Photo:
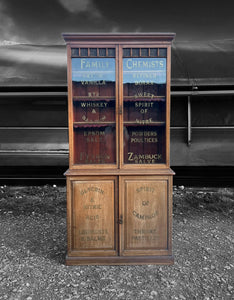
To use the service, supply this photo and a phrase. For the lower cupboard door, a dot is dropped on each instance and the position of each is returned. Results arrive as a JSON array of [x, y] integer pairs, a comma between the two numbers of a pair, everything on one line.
[[93, 215], [145, 209]]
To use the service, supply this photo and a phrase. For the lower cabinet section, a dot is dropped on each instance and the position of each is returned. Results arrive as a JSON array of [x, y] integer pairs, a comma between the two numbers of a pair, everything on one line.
[[119, 219]]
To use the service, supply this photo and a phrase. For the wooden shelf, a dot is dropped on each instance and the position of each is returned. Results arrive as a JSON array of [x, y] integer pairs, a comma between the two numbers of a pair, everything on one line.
[[144, 122], [92, 124], [142, 98], [96, 98]]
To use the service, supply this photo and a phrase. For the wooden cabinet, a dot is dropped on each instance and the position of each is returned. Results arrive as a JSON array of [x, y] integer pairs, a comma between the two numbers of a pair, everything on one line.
[[119, 182]]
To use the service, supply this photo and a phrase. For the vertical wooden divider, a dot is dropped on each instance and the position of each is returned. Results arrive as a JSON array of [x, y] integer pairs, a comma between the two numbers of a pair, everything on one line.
[[120, 108]]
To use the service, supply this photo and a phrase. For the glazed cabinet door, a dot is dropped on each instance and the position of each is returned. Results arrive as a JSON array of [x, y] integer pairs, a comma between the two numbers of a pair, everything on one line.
[[91, 216], [93, 102], [146, 215], [145, 132]]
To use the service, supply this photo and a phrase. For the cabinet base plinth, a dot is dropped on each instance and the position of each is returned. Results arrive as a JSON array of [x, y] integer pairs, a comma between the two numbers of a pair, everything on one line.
[[120, 260]]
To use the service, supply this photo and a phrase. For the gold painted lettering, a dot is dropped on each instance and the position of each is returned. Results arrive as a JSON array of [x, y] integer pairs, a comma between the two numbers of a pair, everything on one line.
[[145, 189], [92, 189], [130, 154], [144, 217], [91, 104], [93, 231], [136, 140], [92, 218], [94, 158], [144, 158], [86, 82], [145, 231], [141, 104], [94, 206], [143, 122], [98, 64], [144, 133], [145, 64]]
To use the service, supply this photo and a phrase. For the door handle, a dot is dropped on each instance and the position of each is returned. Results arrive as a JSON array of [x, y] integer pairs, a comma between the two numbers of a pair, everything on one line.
[[120, 221]]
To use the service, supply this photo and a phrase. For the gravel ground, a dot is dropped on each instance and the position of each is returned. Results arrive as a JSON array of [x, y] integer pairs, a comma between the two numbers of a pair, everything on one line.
[[33, 248]]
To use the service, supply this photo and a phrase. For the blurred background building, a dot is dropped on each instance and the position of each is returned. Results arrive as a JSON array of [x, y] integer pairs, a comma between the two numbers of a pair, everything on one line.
[[33, 83]]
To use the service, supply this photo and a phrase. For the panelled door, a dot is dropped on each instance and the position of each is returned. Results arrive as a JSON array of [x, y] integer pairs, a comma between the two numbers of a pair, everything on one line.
[[145, 213], [92, 214]]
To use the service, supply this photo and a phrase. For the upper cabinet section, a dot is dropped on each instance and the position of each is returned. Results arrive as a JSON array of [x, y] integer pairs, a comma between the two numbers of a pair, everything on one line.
[[119, 100]]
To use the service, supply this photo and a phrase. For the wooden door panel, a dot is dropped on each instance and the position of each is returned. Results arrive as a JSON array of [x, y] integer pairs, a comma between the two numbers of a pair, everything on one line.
[[93, 217], [145, 216]]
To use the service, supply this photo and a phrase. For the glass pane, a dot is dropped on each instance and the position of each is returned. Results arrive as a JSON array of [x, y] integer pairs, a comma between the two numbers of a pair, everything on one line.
[[83, 51], [135, 52], [102, 51], [163, 52], [111, 52], [89, 110], [144, 52], [144, 144], [94, 144], [154, 52], [93, 87], [126, 52], [144, 82], [75, 52], [93, 77], [93, 51]]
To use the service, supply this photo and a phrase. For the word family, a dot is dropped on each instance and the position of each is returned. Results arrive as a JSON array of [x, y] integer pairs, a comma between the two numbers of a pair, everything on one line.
[[93, 64]]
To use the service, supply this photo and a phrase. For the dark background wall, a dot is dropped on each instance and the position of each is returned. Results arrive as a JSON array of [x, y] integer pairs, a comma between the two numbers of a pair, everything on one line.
[[33, 100], [41, 22]]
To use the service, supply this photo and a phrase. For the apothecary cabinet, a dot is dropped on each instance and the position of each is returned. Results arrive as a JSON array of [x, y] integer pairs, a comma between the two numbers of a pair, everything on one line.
[[119, 182]]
